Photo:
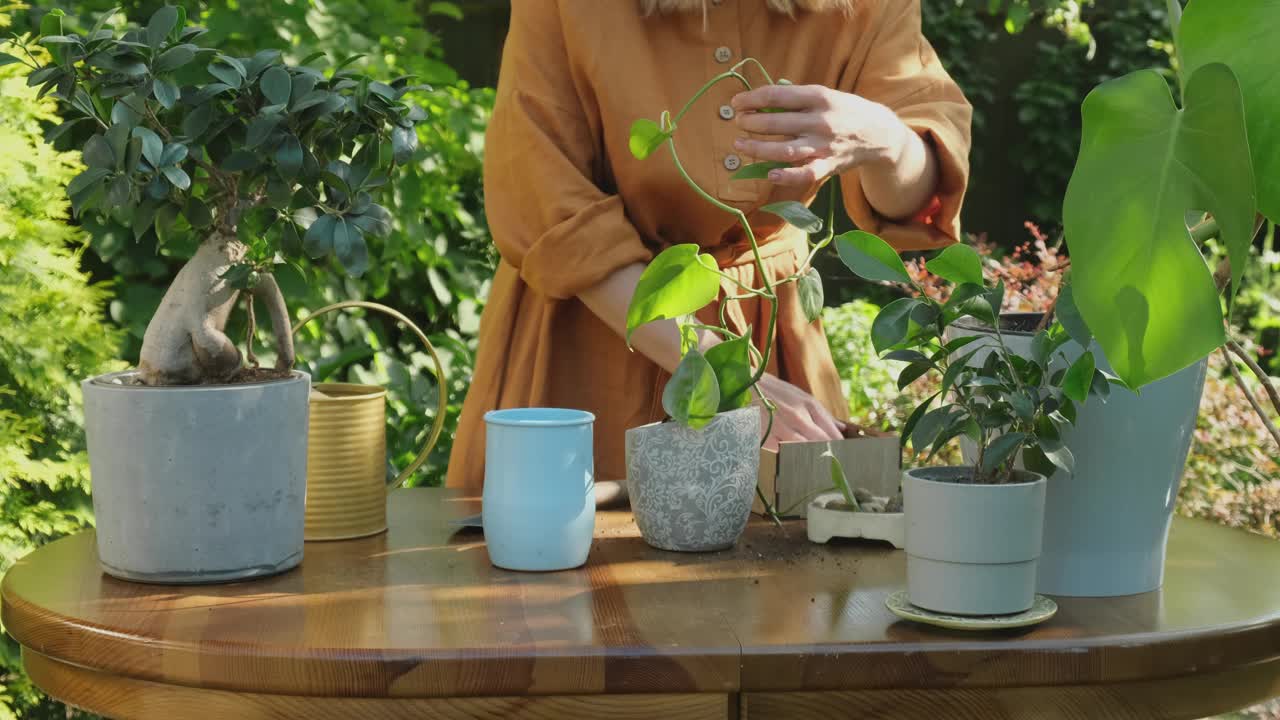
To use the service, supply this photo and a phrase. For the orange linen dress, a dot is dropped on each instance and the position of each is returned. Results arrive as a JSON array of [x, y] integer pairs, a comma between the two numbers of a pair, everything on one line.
[[568, 204]]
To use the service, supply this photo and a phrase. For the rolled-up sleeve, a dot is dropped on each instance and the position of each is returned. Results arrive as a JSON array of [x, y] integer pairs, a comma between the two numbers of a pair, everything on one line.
[[902, 71], [548, 216]]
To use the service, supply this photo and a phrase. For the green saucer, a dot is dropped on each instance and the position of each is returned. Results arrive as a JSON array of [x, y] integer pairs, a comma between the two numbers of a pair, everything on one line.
[[1042, 609]]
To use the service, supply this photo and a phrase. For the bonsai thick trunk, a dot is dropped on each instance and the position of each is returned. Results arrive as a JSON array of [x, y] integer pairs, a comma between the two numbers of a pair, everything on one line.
[[186, 342]]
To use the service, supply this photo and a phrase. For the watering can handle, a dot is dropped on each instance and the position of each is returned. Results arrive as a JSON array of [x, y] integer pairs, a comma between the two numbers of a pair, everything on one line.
[[438, 425]]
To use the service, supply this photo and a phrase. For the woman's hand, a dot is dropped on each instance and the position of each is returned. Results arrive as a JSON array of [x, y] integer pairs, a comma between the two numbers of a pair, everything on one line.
[[799, 417], [827, 132]]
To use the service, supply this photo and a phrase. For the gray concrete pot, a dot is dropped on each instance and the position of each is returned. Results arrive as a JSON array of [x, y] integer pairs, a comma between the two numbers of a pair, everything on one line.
[[972, 549], [691, 490], [197, 484]]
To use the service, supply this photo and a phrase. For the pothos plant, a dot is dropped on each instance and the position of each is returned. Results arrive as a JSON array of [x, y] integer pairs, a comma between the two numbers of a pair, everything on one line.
[[681, 280], [263, 159], [1009, 406]]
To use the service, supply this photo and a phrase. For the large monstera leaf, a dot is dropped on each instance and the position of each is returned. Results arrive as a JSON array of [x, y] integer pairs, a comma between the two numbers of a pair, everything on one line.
[[1242, 34], [1139, 280]]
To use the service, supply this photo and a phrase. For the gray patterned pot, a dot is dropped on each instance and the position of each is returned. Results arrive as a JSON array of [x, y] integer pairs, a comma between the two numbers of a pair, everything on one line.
[[691, 490]]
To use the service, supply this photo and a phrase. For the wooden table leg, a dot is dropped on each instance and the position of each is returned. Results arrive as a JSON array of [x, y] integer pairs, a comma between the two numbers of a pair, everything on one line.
[[122, 697]]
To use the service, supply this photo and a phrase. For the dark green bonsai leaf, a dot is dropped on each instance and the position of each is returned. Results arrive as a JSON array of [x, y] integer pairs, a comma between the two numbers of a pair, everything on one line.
[[318, 240], [871, 258], [958, 264], [349, 247], [1138, 279], [692, 395], [679, 281], [731, 362], [796, 214], [162, 22], [275, 85], [809, 287]]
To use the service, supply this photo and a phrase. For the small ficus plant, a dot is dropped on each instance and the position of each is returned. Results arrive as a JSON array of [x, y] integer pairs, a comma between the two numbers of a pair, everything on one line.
[[262, 159], [1004, 403]]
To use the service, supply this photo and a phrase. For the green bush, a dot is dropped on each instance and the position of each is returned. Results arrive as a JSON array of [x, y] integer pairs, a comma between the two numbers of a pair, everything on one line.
[[52, 334]]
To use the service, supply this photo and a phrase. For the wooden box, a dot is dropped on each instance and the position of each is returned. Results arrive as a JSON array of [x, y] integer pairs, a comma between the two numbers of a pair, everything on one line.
[[796, 472]]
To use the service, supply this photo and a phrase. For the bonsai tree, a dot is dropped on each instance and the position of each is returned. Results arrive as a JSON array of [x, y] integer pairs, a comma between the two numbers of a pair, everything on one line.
[[1148, 160], [262, 159]]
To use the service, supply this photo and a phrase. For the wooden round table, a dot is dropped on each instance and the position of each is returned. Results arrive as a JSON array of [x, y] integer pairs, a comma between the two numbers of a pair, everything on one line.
[[417, 623]]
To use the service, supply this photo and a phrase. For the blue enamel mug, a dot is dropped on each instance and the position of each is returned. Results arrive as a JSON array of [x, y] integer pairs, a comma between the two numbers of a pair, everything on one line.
[[539, 510]]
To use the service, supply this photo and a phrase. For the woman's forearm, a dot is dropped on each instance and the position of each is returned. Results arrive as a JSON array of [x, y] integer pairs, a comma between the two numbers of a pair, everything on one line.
[[659, 341], [901, 185]]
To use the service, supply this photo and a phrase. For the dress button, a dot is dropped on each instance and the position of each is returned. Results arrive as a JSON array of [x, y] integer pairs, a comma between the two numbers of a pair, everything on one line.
[[732, 162], [723, 54], [726, 112]]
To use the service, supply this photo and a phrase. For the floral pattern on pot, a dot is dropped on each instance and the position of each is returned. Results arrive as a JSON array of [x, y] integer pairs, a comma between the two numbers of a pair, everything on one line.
[[691, 490]]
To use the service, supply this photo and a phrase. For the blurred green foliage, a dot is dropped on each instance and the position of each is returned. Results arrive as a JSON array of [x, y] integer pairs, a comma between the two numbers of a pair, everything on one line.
[[1077, 45], [52, 334]]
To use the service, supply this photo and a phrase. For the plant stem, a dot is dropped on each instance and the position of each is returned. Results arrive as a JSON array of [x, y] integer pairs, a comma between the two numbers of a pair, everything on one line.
[[250, 331], [1253, 401], [1272, 394], [758, 64], [703, 91]]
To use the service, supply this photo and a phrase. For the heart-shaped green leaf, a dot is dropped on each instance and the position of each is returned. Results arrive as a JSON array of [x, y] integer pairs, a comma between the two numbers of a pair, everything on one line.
[[958, 264], [1138, 279], [692, 395], [731, 362], [646, 136], [809, 287], [1238, 34], [871, 258], [796, 214], [677, 282]]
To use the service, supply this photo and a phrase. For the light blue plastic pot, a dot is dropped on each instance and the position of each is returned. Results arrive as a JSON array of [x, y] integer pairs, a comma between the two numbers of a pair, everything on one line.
[[539, 508]]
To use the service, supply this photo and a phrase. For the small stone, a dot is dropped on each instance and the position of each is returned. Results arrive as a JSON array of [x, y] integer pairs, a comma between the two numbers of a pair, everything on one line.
[[894, 505], [873, 506], [862, 495]]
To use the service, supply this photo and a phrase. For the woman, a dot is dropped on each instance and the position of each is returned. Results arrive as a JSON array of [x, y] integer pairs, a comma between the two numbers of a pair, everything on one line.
[[576, 217]]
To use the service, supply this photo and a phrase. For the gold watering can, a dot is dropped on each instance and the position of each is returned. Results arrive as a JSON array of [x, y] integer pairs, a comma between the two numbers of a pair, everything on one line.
[[347, 447]]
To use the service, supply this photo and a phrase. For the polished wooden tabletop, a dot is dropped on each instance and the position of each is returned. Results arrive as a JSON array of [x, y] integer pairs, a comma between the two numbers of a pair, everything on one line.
[[419, 612]]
